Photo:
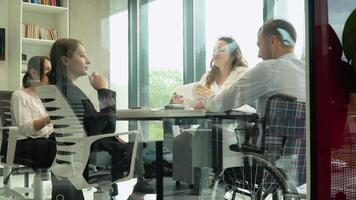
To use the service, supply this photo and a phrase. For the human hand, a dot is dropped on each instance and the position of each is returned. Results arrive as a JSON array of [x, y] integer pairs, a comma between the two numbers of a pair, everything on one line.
[[177, 99], [45, 80], [98, 81], [201, 92], [199, 106]]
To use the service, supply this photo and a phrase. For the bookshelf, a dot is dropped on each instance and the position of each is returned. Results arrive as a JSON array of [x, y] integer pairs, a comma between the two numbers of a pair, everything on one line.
[[34, 28]]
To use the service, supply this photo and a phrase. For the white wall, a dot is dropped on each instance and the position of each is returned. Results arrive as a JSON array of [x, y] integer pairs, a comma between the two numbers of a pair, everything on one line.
[[89, 23], [4, 24]]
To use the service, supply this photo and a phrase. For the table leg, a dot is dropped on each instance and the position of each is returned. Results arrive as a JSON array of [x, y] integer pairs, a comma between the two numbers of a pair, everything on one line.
[[217, 145], [159, 170]]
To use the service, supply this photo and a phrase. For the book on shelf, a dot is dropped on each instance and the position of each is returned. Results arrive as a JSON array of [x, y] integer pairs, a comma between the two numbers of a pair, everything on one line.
[[45, 2], [37, 32]]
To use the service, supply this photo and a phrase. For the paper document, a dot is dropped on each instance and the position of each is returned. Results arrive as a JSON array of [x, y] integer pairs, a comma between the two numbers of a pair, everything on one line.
[[187, 90], [246, 108]]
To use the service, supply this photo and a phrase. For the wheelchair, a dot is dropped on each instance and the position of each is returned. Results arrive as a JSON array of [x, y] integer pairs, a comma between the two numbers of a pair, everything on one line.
[[273, 169]]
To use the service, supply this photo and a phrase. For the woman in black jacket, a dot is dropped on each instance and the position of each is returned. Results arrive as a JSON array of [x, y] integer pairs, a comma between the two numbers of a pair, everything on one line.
[[69, 62]]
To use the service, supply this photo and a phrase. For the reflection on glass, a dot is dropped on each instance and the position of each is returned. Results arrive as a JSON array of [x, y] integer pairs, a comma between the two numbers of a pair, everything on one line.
[[343, 139]]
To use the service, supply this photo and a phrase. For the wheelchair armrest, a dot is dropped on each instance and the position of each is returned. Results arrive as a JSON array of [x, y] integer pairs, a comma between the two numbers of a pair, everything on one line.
[[245, 148]]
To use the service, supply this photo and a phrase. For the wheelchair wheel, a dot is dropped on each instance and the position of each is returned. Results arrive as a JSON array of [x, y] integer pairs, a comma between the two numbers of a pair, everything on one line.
[[257, 179]]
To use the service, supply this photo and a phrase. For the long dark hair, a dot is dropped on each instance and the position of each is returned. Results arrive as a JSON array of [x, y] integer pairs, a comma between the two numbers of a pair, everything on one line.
[[36, 63], [62, 47], [237, 60]]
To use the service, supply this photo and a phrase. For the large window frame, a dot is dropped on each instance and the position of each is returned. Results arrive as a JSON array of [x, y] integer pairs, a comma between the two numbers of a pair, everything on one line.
[[194, 47], [193, 36]]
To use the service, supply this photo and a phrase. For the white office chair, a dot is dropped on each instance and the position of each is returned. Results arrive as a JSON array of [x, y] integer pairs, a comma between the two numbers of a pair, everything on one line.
[[73, 145], [9, 135]]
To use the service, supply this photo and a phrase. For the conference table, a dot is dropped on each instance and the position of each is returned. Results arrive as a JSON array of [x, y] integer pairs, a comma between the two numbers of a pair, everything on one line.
[[185, 117]]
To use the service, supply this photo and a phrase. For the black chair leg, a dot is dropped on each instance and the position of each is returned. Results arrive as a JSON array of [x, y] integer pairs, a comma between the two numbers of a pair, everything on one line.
[[27, 181]]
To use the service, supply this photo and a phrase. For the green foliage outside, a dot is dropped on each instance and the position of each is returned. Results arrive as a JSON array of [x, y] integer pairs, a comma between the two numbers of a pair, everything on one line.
[[162, 84]]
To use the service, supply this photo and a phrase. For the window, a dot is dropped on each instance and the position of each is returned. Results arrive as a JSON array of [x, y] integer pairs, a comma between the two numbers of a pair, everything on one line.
[[119, 57], [294, 12], [165, 50], [238, 19], [161, 54]]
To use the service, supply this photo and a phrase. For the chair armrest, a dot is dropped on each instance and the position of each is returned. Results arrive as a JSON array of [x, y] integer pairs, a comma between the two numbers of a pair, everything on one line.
[[1, 133], [11, 145], [9, 128], [94, 138], [82, 146]]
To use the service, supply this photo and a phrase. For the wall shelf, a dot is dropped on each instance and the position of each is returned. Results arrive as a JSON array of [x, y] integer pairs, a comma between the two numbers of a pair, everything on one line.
[[40, 8], [40, 18], [40, 42]]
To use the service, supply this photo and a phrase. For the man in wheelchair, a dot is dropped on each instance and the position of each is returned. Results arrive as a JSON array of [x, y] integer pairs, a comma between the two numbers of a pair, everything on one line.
[[280, 72]]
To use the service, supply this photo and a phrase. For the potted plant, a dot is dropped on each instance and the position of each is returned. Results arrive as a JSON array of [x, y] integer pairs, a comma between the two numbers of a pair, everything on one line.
[[349, 39]]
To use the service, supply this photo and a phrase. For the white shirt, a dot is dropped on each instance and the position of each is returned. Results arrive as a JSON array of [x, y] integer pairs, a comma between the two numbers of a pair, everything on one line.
[[284, 75], [234, 75], [26, 108]]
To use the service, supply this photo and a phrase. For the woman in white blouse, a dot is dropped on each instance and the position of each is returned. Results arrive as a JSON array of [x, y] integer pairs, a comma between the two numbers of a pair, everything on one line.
[[227, 66], [27, 110], [30, 116]]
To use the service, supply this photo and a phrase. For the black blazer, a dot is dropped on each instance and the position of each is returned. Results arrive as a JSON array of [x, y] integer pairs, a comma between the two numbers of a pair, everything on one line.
[[94, 122]]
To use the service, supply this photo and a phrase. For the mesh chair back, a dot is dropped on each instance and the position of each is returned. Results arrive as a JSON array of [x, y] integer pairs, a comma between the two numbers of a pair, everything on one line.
[[73, 144], [284, 139], [70, 159], [5, 115]]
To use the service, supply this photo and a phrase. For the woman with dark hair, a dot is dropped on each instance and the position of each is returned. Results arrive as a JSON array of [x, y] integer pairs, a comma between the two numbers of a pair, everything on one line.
[[70, 61], [27, 110], [29, 115], [227, 59], [227, 65]]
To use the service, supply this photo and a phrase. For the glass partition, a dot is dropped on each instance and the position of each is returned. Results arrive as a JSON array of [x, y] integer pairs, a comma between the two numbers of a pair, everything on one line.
[[332, 124], [142, 47]]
